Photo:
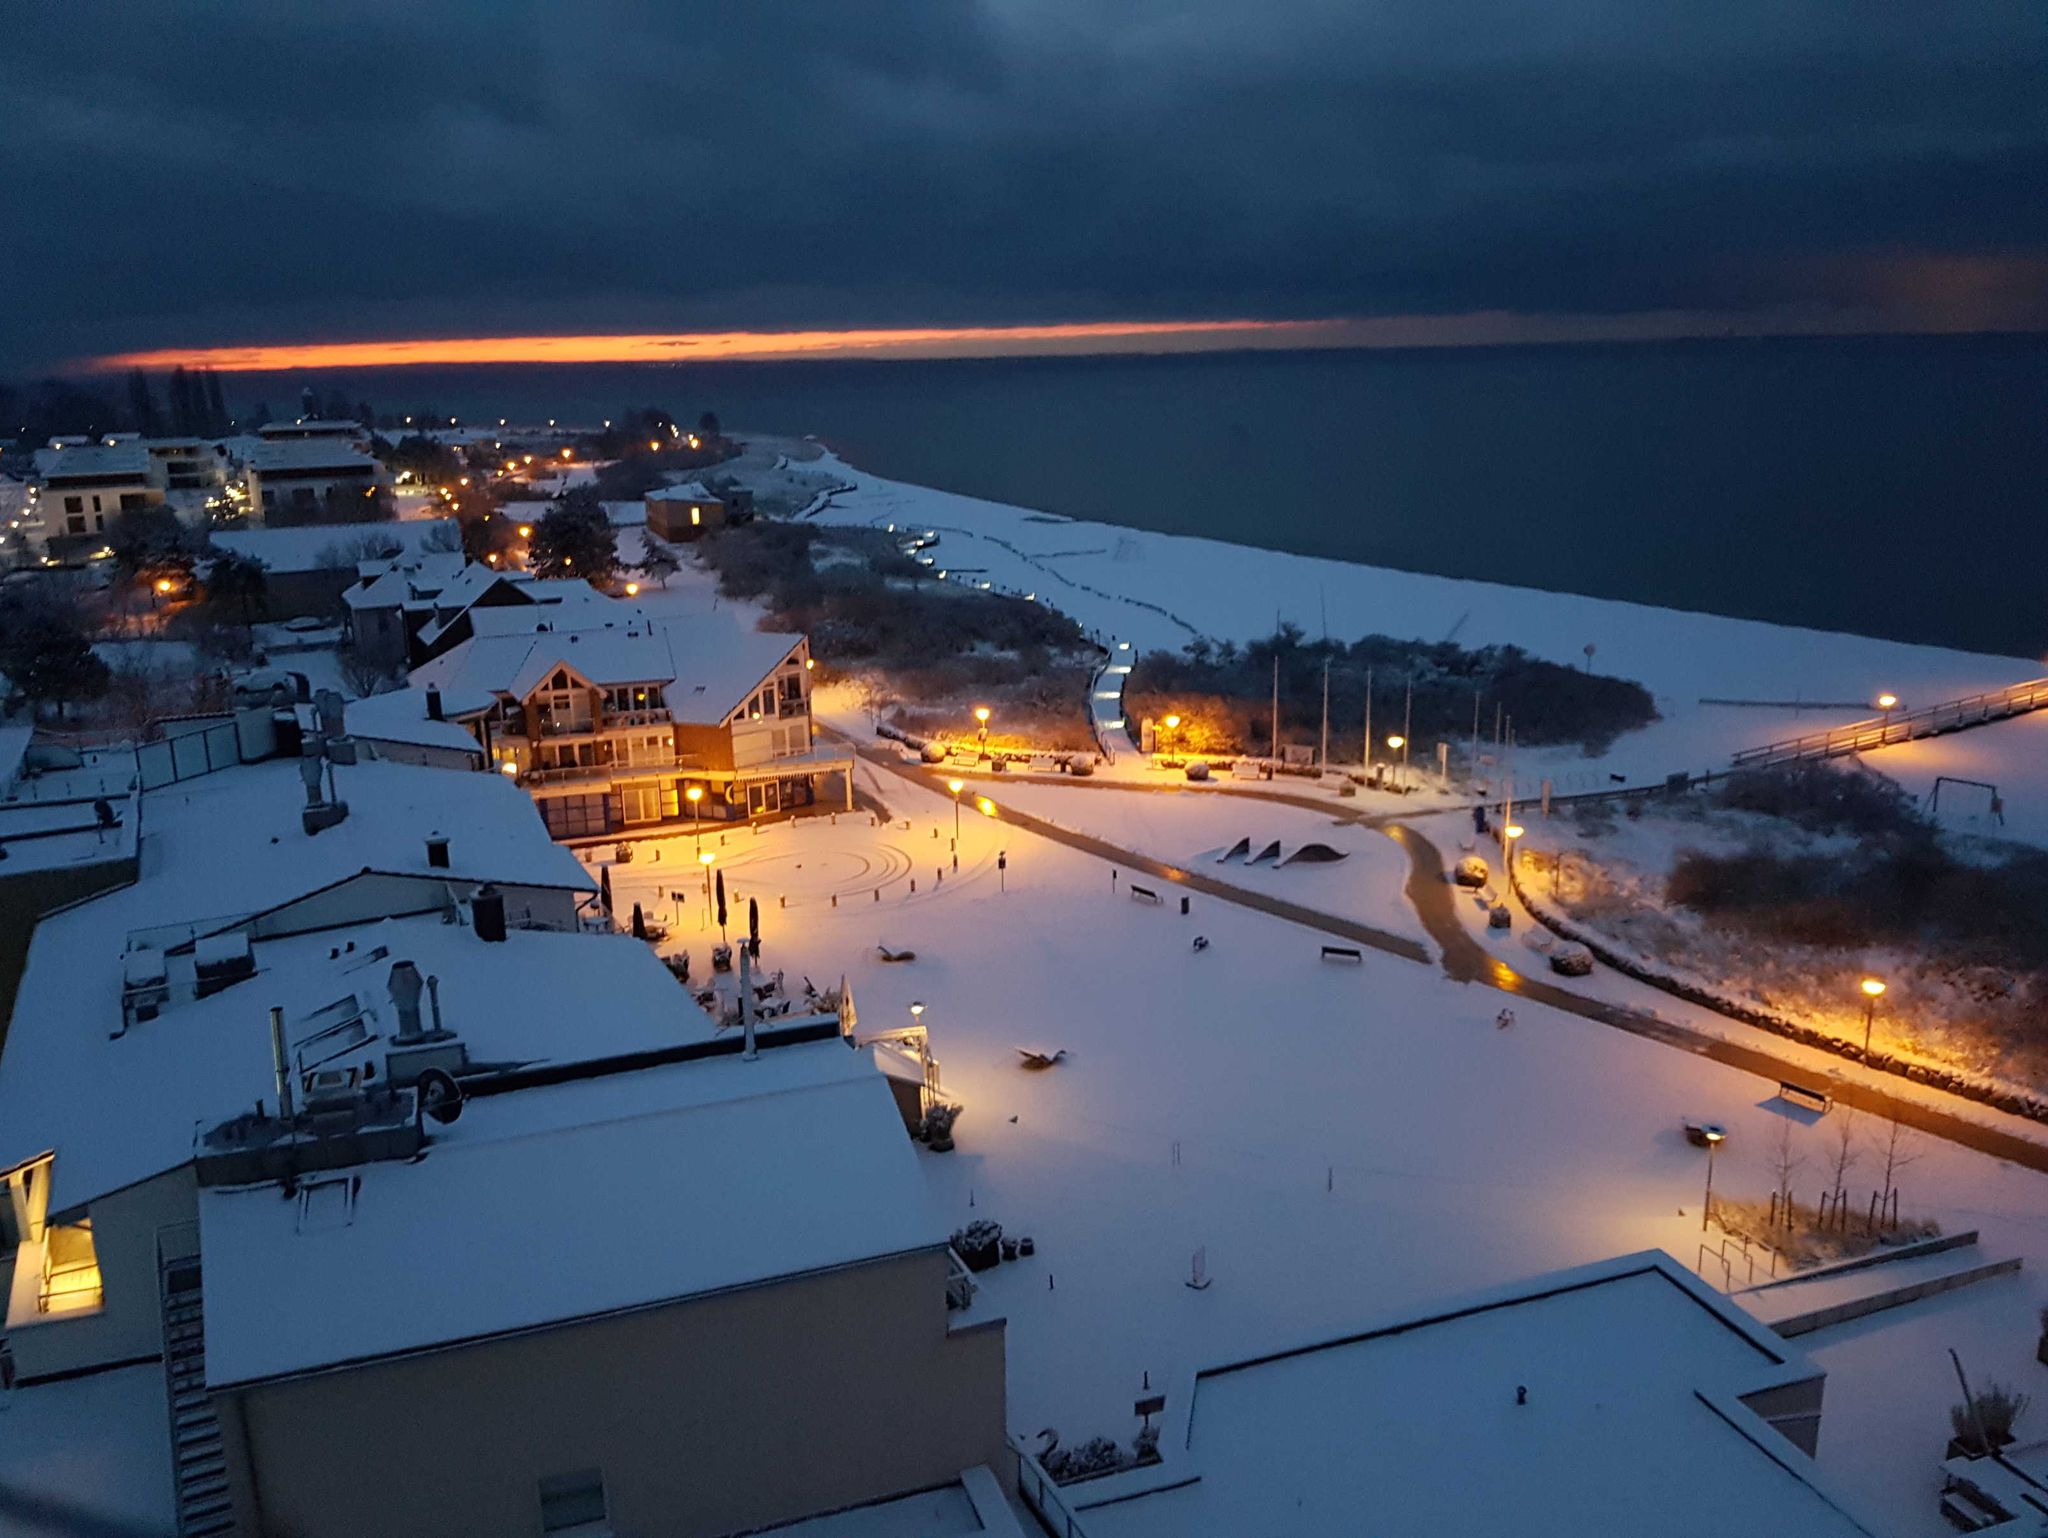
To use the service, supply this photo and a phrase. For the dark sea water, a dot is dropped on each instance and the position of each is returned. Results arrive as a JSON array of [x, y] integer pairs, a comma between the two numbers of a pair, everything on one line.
[[1894, 487]]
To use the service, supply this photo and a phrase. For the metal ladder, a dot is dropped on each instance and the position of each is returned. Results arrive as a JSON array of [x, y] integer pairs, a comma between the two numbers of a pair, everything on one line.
[[198, 1456]]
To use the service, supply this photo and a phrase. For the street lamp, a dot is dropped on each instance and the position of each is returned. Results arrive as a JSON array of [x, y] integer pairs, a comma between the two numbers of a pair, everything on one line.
[[981, 714], [1713, 1136], [1509, 834], [1395, 743], [704, 858], [1172, 724], [1873, 990], [956, 786], [1886, 703]]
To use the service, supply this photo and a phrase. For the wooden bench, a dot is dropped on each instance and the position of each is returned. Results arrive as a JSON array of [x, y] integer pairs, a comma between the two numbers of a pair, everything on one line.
[[1144, 894], [1344, 953], [1812, 1099]]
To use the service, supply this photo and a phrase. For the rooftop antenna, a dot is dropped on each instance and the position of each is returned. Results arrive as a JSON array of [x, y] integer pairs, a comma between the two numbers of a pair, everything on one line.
[[747, 1002], [279, 1062]]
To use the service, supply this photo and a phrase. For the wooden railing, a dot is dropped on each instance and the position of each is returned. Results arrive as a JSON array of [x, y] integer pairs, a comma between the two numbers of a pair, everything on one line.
[[1901, 726]]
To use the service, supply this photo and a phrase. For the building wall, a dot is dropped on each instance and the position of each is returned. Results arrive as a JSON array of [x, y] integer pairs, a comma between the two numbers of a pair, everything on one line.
[[26, 897], [423, 755], [373, 896], [708, 1417], [669, 518], [129, 1322], [1793, 1410], [381, 636]]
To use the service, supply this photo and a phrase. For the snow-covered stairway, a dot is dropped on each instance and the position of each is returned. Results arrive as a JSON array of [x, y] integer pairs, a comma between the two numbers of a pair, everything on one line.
[[1813, 1300], [199, 1463]]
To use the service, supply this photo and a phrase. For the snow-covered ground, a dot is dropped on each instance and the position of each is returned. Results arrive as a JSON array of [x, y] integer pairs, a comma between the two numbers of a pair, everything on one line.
[[1158, 590], [1341, 1141]]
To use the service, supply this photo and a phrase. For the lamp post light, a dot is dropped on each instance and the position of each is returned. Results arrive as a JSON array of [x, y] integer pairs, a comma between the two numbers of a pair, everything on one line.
[[693, 795], [1172, 725], [981, 715], [704, 858], [1395, 743], [1873, 990], [1886, 703], [1509, 834], [1713, 1137], [956, 786]]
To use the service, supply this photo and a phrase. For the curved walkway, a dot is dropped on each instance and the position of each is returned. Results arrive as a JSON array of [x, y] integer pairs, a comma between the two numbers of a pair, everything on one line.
[[1465, 960]]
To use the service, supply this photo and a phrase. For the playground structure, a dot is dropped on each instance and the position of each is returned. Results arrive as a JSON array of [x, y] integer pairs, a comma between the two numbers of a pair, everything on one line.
[[1278, 854]]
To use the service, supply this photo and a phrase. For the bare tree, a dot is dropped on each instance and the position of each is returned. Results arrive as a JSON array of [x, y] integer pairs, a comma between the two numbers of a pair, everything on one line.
[[363, 677], [1899, 1148], [1842, 1151], [1785, 1164]]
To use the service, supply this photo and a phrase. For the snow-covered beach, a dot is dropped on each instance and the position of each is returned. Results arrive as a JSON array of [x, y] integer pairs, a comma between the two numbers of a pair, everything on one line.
[[1720, 684]]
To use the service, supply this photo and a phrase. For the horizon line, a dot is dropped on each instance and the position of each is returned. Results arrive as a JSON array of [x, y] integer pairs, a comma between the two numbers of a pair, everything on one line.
[[1479, 328]]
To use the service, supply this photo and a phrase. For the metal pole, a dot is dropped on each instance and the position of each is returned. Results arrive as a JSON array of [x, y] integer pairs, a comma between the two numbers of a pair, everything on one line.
[[1368, 720], [1707, 1211], [1869, 1014], [1276, 701], [1323, 760]]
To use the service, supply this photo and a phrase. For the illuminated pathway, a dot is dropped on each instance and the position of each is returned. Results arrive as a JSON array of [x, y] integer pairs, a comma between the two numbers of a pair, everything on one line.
[[1465, 960]]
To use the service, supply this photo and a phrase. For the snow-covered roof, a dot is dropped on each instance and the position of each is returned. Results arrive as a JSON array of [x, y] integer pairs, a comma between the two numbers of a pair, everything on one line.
[[91, 461], [118, 1109], [323, 453], [657, 1185], [14, 741], [400, 715], [309, 546], [312, 427], [689, 491], [1635, 1371], [412, 575], [707, 664], [218, 849]]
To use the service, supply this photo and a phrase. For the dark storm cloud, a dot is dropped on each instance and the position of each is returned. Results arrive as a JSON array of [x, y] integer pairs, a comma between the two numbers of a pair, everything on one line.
[[240, 171]]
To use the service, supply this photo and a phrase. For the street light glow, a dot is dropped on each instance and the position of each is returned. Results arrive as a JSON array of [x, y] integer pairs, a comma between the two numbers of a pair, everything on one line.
[[1887, 701], [981, 714], [695, 793], [1512, 830], [1396, 740], [632, 590], [956, 786], [1173, 723], [706, 857], [1874, 987]]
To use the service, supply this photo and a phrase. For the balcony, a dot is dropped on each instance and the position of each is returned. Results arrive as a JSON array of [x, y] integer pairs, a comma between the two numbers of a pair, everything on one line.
[[70, 1282]]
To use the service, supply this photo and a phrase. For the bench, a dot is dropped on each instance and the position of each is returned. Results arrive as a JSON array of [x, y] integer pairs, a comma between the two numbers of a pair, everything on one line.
[[1144, 894], [1344, 953], [1812, 1099]]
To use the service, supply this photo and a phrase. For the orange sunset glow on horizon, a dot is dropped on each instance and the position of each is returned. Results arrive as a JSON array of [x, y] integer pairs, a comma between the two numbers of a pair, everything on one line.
[[721, 346]]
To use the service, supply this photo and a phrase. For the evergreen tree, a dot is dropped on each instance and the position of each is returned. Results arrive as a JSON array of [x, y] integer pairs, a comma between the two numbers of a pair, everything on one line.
[[574, 538]]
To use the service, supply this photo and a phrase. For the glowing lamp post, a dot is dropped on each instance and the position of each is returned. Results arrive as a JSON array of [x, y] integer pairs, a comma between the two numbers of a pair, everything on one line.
[[1873, 990], [704, 858], [981, 715], [1509, 834], [1886, 703], [956, 786], [632, 590], [1713, 1137], [1395, 743], [693, 795], [1172, 725]]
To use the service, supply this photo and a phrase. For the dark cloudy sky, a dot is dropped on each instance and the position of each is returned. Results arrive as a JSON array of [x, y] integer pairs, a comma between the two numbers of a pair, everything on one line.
[[213, 173]]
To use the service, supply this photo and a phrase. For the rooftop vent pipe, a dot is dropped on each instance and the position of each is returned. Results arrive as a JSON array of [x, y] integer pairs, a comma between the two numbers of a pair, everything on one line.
[[281, 1064], [406, 988], [437, 851], [433, 704]]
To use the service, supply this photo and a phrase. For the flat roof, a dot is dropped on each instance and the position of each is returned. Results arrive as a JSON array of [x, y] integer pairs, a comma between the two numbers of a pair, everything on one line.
[[89, 1455], [325, 453], [214, 850], [310, 547], [1633, 1424], [546, 1206], [400, 715], [88, 461]]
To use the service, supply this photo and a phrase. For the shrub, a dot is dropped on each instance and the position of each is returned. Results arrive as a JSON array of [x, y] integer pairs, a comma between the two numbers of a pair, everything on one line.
[[1997, 1411], [1823, 798]]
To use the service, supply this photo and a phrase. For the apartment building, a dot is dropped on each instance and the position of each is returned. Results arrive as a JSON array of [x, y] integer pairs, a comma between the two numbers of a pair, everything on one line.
[[310, 479], [80, 487], [340, 1122], [612, 719]]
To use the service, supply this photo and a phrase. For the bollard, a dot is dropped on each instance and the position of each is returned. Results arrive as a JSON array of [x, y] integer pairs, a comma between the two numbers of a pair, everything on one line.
[[835, 899], [878, 894], [783, 900], [1183, 907], [913, 883], [935, 831], [939, 876]]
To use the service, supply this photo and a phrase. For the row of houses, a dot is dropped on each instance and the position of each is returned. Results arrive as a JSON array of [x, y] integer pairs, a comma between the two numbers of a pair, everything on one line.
[[284, 474], [356, 1177]]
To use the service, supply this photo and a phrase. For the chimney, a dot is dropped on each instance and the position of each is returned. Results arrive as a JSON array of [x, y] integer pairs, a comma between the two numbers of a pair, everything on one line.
[[487, 912], [433, 704], [405, 994], [434, 1003], [437, 851], [282, 1065]]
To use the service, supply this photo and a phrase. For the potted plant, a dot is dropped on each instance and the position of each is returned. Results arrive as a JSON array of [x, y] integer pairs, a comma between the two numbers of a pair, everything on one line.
[[1984, 1422], [936, 1129], [979, 1245]]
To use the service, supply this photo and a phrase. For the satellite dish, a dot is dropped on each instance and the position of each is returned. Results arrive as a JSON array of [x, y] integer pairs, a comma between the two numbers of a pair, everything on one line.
[[440, 1096]]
